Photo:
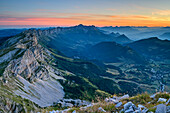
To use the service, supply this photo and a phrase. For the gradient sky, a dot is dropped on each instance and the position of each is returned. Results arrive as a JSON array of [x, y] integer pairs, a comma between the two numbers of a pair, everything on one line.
[[88, 12]]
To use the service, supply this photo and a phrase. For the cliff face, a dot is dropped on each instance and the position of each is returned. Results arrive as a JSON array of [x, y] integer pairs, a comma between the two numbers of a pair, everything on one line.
[[28, 73], [27, 66]]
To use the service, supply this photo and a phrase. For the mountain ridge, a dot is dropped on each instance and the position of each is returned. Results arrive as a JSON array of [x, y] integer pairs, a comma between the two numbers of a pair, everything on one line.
[[152, 48], [110, 50]]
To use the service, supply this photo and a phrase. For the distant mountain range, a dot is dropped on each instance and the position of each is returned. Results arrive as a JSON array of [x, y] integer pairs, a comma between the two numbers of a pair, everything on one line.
[[10, 32], [72, 41], [137, 33], [122, 29], [165, 36]]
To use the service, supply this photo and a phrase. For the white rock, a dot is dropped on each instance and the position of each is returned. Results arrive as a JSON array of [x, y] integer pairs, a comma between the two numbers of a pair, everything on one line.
[[153, 96], [68, 100], [168, 102], [74, 111], [41, 89], [127, 105], [101, 109], [52, 111], [137, 111], [57, 111], [168, 109], [141, 106], [149, 102], [106, 100], [113, 100], [144, 110], [7, 56], [162, 100], [124, 96], [118, 104], [69, 105], [77, 101], [66, 110], [161, 108], [129, 110], [115, 97], [122, 110]]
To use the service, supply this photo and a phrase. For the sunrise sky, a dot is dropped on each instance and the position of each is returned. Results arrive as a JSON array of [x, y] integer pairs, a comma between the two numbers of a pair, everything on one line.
[[88, 12]]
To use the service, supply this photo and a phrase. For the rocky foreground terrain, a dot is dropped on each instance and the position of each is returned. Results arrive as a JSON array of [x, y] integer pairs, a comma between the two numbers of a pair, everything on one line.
[[144, 103]]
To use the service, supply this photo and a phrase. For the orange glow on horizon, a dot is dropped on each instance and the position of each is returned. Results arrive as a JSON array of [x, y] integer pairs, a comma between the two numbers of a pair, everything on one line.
[[135, 20]]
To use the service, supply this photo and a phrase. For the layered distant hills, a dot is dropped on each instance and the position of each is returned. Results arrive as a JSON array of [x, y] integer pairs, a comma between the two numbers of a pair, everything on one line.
[[137, 33], [73, 40], [165, 35]]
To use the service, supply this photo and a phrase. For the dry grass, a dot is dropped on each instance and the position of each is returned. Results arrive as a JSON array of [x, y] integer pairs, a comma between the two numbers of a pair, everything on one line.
[[142, 99]]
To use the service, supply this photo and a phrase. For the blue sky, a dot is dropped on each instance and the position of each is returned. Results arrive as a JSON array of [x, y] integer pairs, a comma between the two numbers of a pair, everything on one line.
[[99, 12]]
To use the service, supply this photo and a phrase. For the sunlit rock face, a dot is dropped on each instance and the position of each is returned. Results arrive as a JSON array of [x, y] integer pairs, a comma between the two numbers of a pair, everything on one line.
[[34, 78], [27, 66]]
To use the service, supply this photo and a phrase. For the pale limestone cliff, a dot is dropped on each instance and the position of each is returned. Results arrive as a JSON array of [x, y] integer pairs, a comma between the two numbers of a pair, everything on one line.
[[34, 78]]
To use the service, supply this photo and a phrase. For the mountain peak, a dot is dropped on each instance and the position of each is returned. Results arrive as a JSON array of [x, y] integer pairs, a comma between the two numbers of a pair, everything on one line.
[[123, 35], [81, 25], [114, 34], [154, 38], [121, 39]]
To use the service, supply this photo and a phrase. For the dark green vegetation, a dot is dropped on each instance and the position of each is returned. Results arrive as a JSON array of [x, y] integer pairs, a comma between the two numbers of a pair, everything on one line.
[[73, 41], [9, 32], [2, 67], [152, 48], [3, 39], [122, 39], [113, 52], [88, 78]]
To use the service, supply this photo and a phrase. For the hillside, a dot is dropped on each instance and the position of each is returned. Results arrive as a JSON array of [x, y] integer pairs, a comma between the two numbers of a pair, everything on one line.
[[122, 39], [10, 32], [152, 48], [113, 52], [72, 41]]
